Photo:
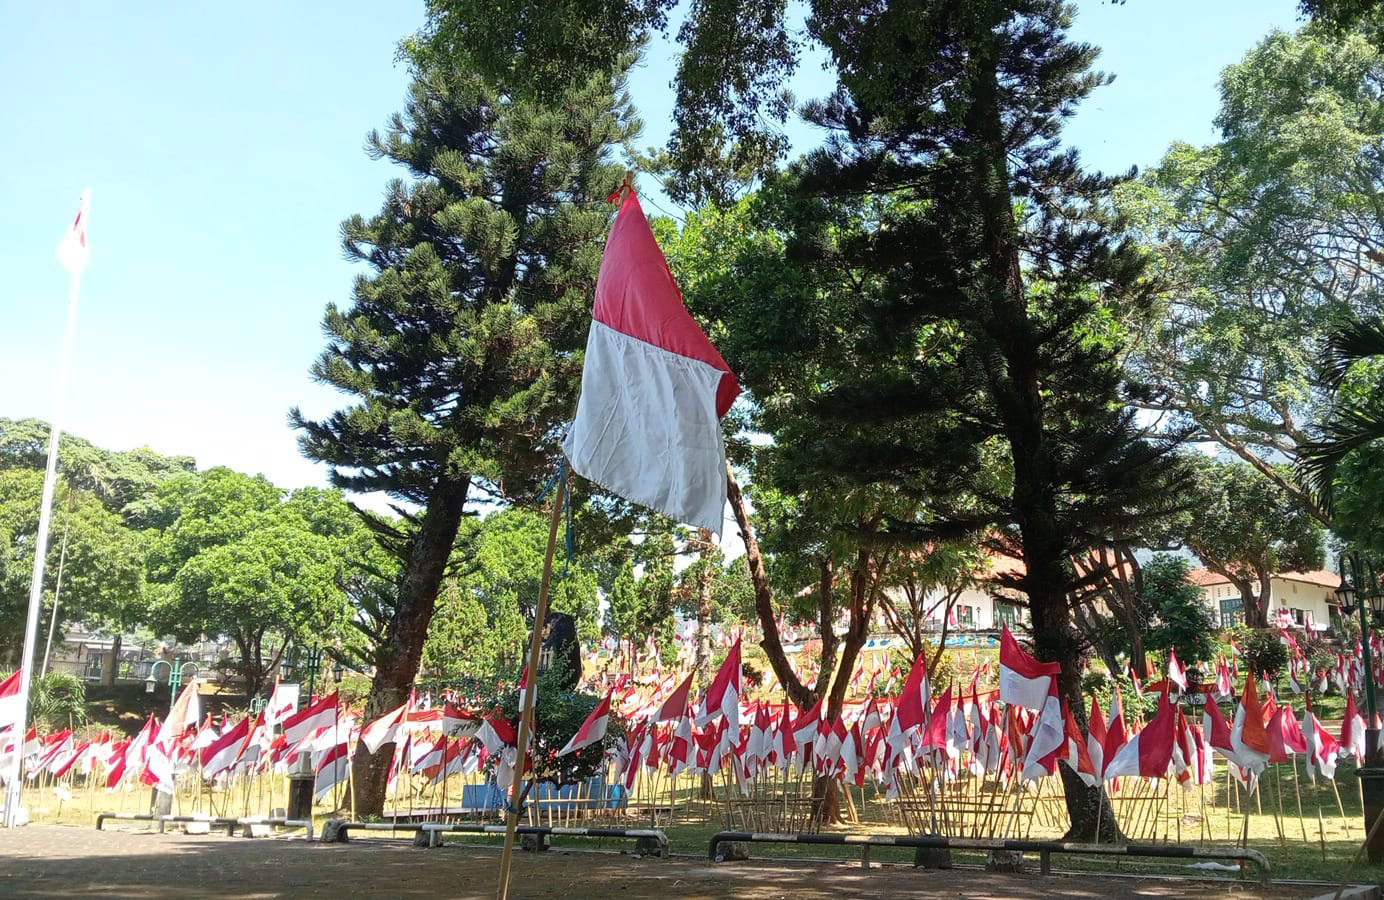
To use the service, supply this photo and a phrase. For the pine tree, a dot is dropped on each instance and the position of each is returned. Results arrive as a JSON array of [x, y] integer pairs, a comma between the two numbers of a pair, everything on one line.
[[954, 109], [461, 349], [973, 299]]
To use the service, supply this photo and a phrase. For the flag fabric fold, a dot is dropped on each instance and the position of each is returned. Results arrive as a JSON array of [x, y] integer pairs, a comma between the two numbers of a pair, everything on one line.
[[654, 388]]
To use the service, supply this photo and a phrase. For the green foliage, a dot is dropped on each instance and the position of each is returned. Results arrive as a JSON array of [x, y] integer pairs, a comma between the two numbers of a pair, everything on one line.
[[1100, 687], [557, 716], [459, 353], [1182, 621], [102, 562], [235, 556], [943, 674], [485, 609], [57, 700], [1265, 243], [1265, 653]]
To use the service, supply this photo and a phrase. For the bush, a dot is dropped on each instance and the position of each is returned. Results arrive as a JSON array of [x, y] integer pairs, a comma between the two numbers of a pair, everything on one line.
[[1265, 654], [942, 676], [57, 700], [1102, 686]]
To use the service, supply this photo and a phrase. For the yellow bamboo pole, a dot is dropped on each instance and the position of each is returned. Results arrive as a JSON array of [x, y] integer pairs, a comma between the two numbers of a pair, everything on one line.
[[526, 714]]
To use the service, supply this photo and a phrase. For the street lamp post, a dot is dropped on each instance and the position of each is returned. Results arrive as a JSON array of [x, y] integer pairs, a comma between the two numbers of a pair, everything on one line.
[[1360, 590], [161, 804], [176, 675], [312, 664]]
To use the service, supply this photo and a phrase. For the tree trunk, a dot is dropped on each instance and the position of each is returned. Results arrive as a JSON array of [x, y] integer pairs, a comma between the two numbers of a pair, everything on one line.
[[1015, 384], [429, 550], [109, 673], [1092, 816], [798, 692]]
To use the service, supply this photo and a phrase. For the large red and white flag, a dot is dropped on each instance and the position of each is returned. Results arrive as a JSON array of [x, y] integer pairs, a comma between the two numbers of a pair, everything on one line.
[[72, 250], [1024, 681], [654, 389], [592, 731]]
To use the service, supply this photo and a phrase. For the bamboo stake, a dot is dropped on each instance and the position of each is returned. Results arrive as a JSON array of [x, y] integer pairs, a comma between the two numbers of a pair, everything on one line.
[[1278, 814], [526, 714], [1340, 806], [1297, 787]]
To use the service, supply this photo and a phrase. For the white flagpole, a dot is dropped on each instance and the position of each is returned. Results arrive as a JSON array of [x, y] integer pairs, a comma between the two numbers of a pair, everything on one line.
[[26, 666]]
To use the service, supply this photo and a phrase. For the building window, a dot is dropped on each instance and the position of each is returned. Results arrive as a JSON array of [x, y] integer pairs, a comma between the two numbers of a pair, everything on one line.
[[1232, 612], [966, 615], [1006, 614]]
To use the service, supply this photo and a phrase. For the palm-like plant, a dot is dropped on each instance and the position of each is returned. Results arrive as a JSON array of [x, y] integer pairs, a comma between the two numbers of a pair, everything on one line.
[[57, 700], [1352, 423]]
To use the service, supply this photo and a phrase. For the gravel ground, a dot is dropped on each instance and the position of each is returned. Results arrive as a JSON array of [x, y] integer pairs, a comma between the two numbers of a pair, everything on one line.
[[65, 861]]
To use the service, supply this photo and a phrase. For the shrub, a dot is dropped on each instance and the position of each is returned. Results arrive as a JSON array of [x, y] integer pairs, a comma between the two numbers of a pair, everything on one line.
[[1265, 654]]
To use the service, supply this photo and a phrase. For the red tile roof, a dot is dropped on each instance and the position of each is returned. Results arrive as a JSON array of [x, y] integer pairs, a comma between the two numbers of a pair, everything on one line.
[[1205, 577]]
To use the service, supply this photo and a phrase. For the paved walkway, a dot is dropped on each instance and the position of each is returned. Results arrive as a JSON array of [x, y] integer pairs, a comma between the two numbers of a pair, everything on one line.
[[59, 861]]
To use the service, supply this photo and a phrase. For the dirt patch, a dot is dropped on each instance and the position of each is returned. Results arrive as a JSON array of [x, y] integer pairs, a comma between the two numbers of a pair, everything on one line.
[[61, 861]]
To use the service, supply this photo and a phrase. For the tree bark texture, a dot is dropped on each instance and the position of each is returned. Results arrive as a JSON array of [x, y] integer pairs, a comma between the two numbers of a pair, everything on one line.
[[429, 551]]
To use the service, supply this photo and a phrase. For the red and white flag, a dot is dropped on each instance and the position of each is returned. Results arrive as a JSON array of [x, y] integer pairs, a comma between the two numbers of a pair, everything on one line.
[[383, 730], [675, 707], [1176, 673], [1047, 736], [1353, 730], [914, 701], [1096, 733], [592, 731], [310, 719], [1248, 736], [283, 702], [220, 754], [1024, 681], [1149, 753], [1322, 748], [654, 389], [723, 697], [332, 769], [10, 701], [72, 250]]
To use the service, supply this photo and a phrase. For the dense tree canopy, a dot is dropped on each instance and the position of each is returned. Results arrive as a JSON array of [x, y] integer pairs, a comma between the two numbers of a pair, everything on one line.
[[1267, 241], [459, 350]]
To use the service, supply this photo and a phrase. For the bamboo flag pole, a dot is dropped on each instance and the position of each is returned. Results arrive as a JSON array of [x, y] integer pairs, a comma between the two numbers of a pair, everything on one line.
[[526, 713]]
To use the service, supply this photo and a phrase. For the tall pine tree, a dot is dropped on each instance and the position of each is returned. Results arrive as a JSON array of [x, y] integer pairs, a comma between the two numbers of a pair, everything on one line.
[[461, 348], [954, 109], [986, 303]]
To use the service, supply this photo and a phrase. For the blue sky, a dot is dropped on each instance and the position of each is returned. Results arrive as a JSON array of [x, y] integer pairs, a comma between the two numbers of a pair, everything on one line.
[[223, 146]]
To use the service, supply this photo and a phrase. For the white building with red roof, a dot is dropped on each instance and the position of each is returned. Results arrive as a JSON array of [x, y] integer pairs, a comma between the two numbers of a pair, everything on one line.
[[1305, 600]]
